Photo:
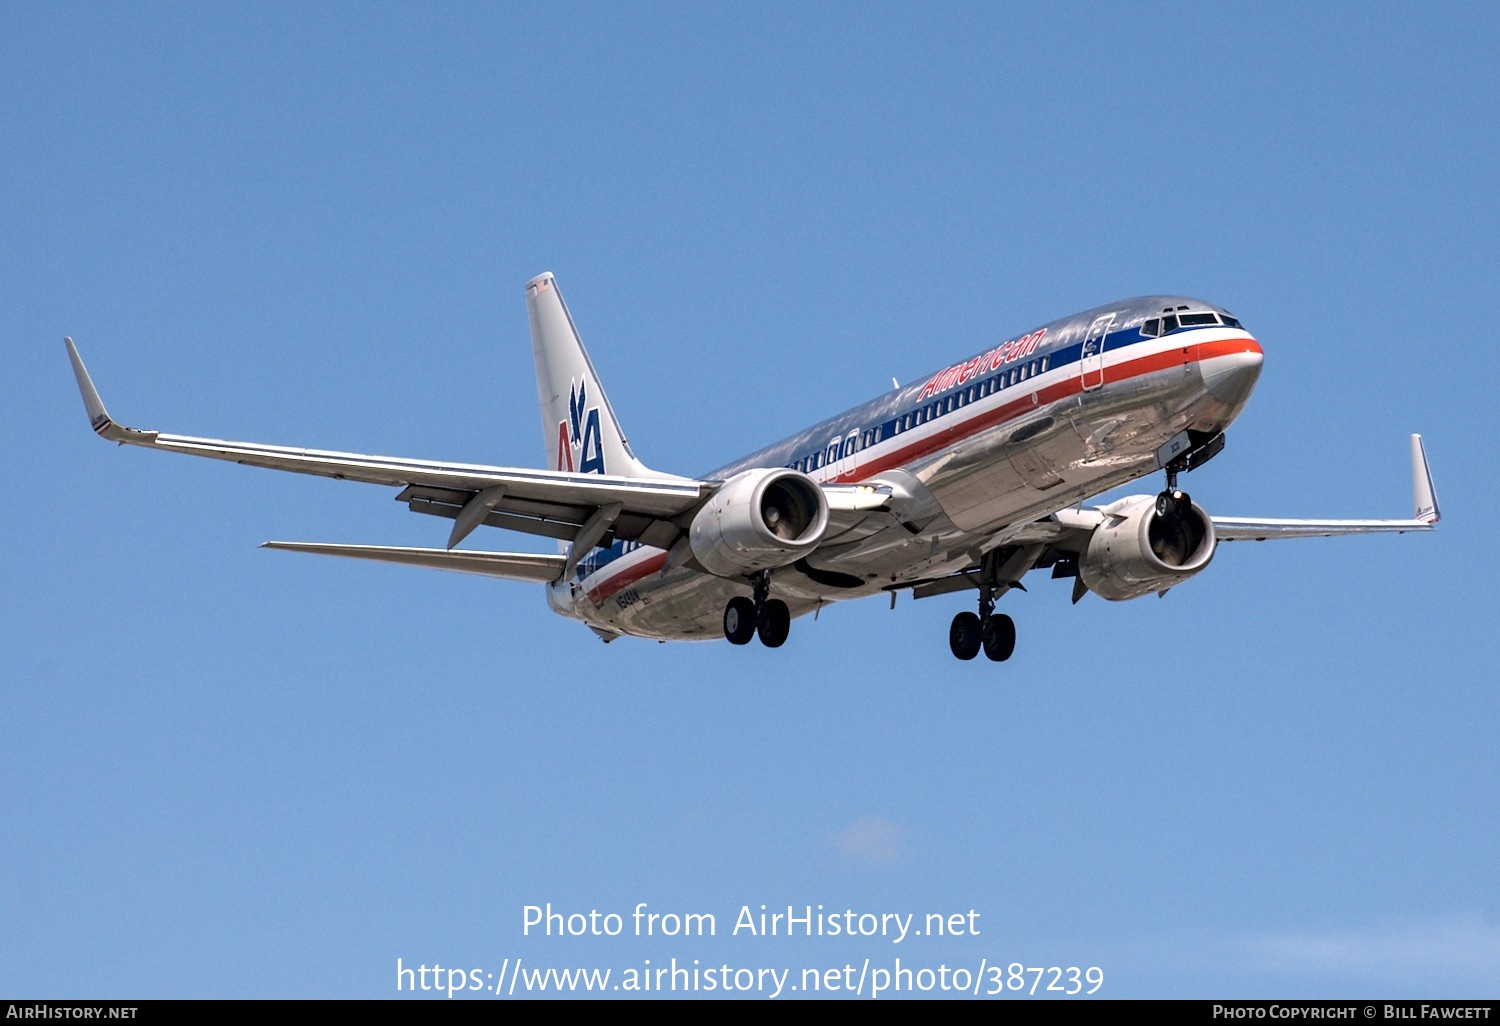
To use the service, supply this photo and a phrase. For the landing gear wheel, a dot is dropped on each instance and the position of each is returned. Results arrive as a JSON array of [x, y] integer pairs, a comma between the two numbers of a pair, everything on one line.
[[774, 623], [1172, 502], [999, 638], [739, 620], [964, 636]]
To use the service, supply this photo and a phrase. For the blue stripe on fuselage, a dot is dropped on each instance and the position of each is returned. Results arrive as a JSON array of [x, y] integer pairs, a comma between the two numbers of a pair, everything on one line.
[[1061, 358]]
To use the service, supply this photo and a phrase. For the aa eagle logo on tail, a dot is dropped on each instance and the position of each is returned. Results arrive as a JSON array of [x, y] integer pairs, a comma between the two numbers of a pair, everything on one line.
[[580, 446]]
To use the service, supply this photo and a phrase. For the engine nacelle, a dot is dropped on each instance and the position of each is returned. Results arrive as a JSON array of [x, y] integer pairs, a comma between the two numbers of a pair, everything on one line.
[[759, 520], [1136, 550]]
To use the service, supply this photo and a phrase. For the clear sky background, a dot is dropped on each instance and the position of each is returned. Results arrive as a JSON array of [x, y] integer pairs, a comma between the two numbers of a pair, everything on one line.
[[235, 772]]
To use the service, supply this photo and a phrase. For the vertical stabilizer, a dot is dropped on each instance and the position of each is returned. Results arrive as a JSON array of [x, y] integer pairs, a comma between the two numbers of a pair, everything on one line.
[[580, 429]]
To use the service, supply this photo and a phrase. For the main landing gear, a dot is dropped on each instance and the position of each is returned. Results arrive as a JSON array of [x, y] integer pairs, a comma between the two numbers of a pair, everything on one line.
[[744, 618], [994, 632]]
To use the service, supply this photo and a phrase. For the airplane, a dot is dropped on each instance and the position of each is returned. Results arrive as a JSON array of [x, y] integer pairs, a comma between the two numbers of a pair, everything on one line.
[[962, 481]]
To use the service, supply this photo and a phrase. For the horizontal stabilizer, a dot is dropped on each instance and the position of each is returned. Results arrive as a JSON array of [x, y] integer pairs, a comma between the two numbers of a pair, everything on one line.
[[515, 566]]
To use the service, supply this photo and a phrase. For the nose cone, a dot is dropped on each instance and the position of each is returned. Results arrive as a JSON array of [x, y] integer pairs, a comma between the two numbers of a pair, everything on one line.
[[1231, 377]]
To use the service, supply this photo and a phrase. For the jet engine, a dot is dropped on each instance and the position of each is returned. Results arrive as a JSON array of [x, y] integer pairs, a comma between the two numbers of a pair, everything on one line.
[[1139, 549], [759, 520]]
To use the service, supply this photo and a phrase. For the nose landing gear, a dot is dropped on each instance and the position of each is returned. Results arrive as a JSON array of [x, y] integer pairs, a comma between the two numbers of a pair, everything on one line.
[[1173, 502]]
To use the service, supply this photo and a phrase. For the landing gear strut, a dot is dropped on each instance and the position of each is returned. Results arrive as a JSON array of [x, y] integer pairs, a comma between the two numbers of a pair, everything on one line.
[[1173, 502], [770, 618], [988, 630]]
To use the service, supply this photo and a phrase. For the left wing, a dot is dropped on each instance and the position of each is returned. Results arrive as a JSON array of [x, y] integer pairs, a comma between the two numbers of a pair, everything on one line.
[[1068, 529], [1057, 540], [1425, 514], [550, 503]]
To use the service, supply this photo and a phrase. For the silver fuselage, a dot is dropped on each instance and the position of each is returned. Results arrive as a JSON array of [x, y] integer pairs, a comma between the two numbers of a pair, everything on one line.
[[1005, 437]]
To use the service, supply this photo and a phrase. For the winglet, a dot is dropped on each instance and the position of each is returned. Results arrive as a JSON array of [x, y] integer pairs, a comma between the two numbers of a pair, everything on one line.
[[1424, 496], [99, 418]]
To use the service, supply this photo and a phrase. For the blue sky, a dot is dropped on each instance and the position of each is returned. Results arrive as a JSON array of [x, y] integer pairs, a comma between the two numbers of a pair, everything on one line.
[[234, 772]]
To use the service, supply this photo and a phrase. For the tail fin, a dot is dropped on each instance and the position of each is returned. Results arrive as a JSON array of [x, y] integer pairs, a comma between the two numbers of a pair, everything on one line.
[[579, 426]]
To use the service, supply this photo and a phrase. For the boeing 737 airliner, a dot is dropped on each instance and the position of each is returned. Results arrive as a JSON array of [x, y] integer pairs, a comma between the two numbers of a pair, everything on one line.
[[962, 481]]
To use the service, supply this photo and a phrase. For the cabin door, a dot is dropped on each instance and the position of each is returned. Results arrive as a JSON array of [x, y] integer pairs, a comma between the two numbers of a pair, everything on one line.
[[1091, 360]]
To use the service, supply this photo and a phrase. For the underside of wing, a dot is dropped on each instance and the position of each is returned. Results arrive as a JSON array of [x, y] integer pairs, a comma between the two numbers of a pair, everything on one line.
[[1268, 529], [515, 566]]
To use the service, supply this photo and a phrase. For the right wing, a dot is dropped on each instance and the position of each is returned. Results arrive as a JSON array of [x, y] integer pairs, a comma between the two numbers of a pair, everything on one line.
[[515, 566], [553, 504]]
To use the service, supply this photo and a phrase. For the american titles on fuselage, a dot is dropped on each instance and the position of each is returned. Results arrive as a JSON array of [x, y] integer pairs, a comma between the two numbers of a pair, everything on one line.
[[1008, 352]]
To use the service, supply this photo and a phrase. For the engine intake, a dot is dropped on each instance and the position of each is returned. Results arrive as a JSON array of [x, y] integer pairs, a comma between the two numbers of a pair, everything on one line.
[[1138, 550], [759, 520]]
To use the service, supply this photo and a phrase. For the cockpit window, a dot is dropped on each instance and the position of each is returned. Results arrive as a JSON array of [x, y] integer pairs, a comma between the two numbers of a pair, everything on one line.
[[1170, 321]]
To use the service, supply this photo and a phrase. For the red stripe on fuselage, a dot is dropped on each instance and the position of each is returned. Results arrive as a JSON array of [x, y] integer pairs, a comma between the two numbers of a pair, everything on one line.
[[1069, 386], [626, 577]]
